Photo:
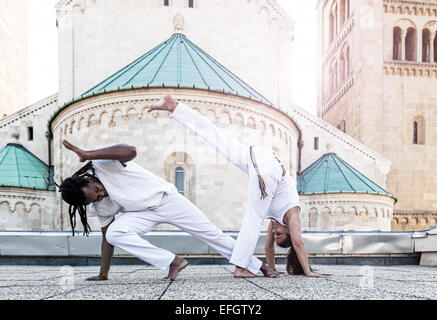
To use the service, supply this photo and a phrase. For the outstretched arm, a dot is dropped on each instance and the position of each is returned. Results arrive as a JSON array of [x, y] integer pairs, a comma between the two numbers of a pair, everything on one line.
[[232, 150], [121, 152], [294, 225], [270, 247], [107, 253]]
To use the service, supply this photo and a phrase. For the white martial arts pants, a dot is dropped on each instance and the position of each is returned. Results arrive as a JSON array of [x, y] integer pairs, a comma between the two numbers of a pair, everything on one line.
[[125, 232], [239, 155]]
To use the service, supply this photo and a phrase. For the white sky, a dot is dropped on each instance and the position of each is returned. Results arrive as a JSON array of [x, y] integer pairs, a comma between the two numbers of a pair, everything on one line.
[[43, 50]]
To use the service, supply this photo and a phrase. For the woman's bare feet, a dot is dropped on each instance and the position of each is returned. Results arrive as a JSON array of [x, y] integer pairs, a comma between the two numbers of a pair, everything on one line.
[[243, 273], [176, 266], [269, 272], [167, 104]]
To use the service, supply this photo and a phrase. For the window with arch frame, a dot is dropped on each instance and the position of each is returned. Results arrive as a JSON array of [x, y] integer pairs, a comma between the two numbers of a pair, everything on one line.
[[179, 179], [419, 130]]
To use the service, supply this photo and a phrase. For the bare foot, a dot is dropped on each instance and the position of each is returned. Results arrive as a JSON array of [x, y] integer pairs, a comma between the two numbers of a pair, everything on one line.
[[176, 266], [269, 272], [167, 104], [243, 273]]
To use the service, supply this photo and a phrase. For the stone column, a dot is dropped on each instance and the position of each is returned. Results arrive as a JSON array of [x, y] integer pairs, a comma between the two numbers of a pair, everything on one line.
[[419, 44], [404, 35], [431, 49]]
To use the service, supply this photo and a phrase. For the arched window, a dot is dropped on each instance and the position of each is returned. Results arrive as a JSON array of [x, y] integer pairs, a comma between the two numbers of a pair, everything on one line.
[[397, 43], [342, 68], [419, 130], [435, 47], [426, 46], [190, 3], [348, 61], [331, 27], [316, 143], [30, 133], [344, 62], [180, 180], [415, 134], [166, 3], [333, 78], [410, 45], [342, 12], [348, 8], [342, 126], [332, 24]]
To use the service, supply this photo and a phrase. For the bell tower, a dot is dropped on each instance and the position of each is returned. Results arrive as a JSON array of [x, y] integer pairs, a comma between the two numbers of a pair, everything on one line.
[[377, 83]]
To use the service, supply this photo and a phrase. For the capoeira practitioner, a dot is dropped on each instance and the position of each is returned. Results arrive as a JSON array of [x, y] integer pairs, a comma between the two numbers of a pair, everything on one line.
[[271, 193], [110, 183]]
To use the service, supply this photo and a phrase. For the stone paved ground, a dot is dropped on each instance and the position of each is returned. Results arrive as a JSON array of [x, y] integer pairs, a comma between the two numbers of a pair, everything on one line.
[[215, 282]]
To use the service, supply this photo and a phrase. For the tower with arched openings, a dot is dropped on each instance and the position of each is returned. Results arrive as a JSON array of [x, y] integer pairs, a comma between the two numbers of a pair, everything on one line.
[[382, 90]]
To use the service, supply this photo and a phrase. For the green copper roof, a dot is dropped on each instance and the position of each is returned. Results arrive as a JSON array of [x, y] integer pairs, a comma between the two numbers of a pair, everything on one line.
[[331, 174], [177, 62], [21, 169]]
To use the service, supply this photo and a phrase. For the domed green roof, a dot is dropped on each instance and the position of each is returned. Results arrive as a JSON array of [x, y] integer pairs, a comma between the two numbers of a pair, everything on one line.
[[21, 169], [331, 174], [177, 62]]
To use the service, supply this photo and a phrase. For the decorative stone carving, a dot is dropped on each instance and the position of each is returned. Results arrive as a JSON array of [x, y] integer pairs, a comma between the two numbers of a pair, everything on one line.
[[178, 22]]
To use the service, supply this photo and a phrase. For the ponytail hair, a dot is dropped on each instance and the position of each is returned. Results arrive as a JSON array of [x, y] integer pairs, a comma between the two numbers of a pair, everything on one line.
[[72, 193], [293, 265]]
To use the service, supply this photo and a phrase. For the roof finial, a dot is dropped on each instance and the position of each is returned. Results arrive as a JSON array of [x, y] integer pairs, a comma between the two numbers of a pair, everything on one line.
[[178, 22]]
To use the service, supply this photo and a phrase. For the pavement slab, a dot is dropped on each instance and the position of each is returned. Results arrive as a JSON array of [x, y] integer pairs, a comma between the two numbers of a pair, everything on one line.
[[216, 282]]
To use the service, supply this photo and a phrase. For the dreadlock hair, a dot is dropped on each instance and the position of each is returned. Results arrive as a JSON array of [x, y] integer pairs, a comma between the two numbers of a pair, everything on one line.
[[72, 193], [293, 265]]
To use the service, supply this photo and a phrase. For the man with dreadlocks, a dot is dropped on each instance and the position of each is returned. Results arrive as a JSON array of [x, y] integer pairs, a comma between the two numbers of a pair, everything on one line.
[[111, 183], [271, 192]]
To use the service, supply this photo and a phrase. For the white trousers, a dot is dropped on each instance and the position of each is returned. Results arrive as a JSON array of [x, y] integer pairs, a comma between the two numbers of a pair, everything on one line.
[[239, 155], [125, 232]]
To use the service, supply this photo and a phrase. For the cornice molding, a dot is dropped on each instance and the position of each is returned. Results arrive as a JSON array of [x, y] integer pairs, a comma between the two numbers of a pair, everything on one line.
[[28, 111], [341, 91], [137, 101], [410, 69], [416, 8]]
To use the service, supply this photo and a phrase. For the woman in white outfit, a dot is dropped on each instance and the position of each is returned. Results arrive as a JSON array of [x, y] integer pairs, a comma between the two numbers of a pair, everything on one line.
[[271, 194], [111, 183]]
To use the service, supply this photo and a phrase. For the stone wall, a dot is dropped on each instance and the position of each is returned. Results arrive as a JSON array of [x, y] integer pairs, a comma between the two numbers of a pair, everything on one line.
[[347, 212], [28, 210], [15, 128], [408, 220]]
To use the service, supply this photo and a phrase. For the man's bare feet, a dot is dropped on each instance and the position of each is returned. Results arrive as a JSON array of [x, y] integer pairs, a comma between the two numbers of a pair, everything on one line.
[[243, 273], [167, 104], [176, 266], [269, 272]]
